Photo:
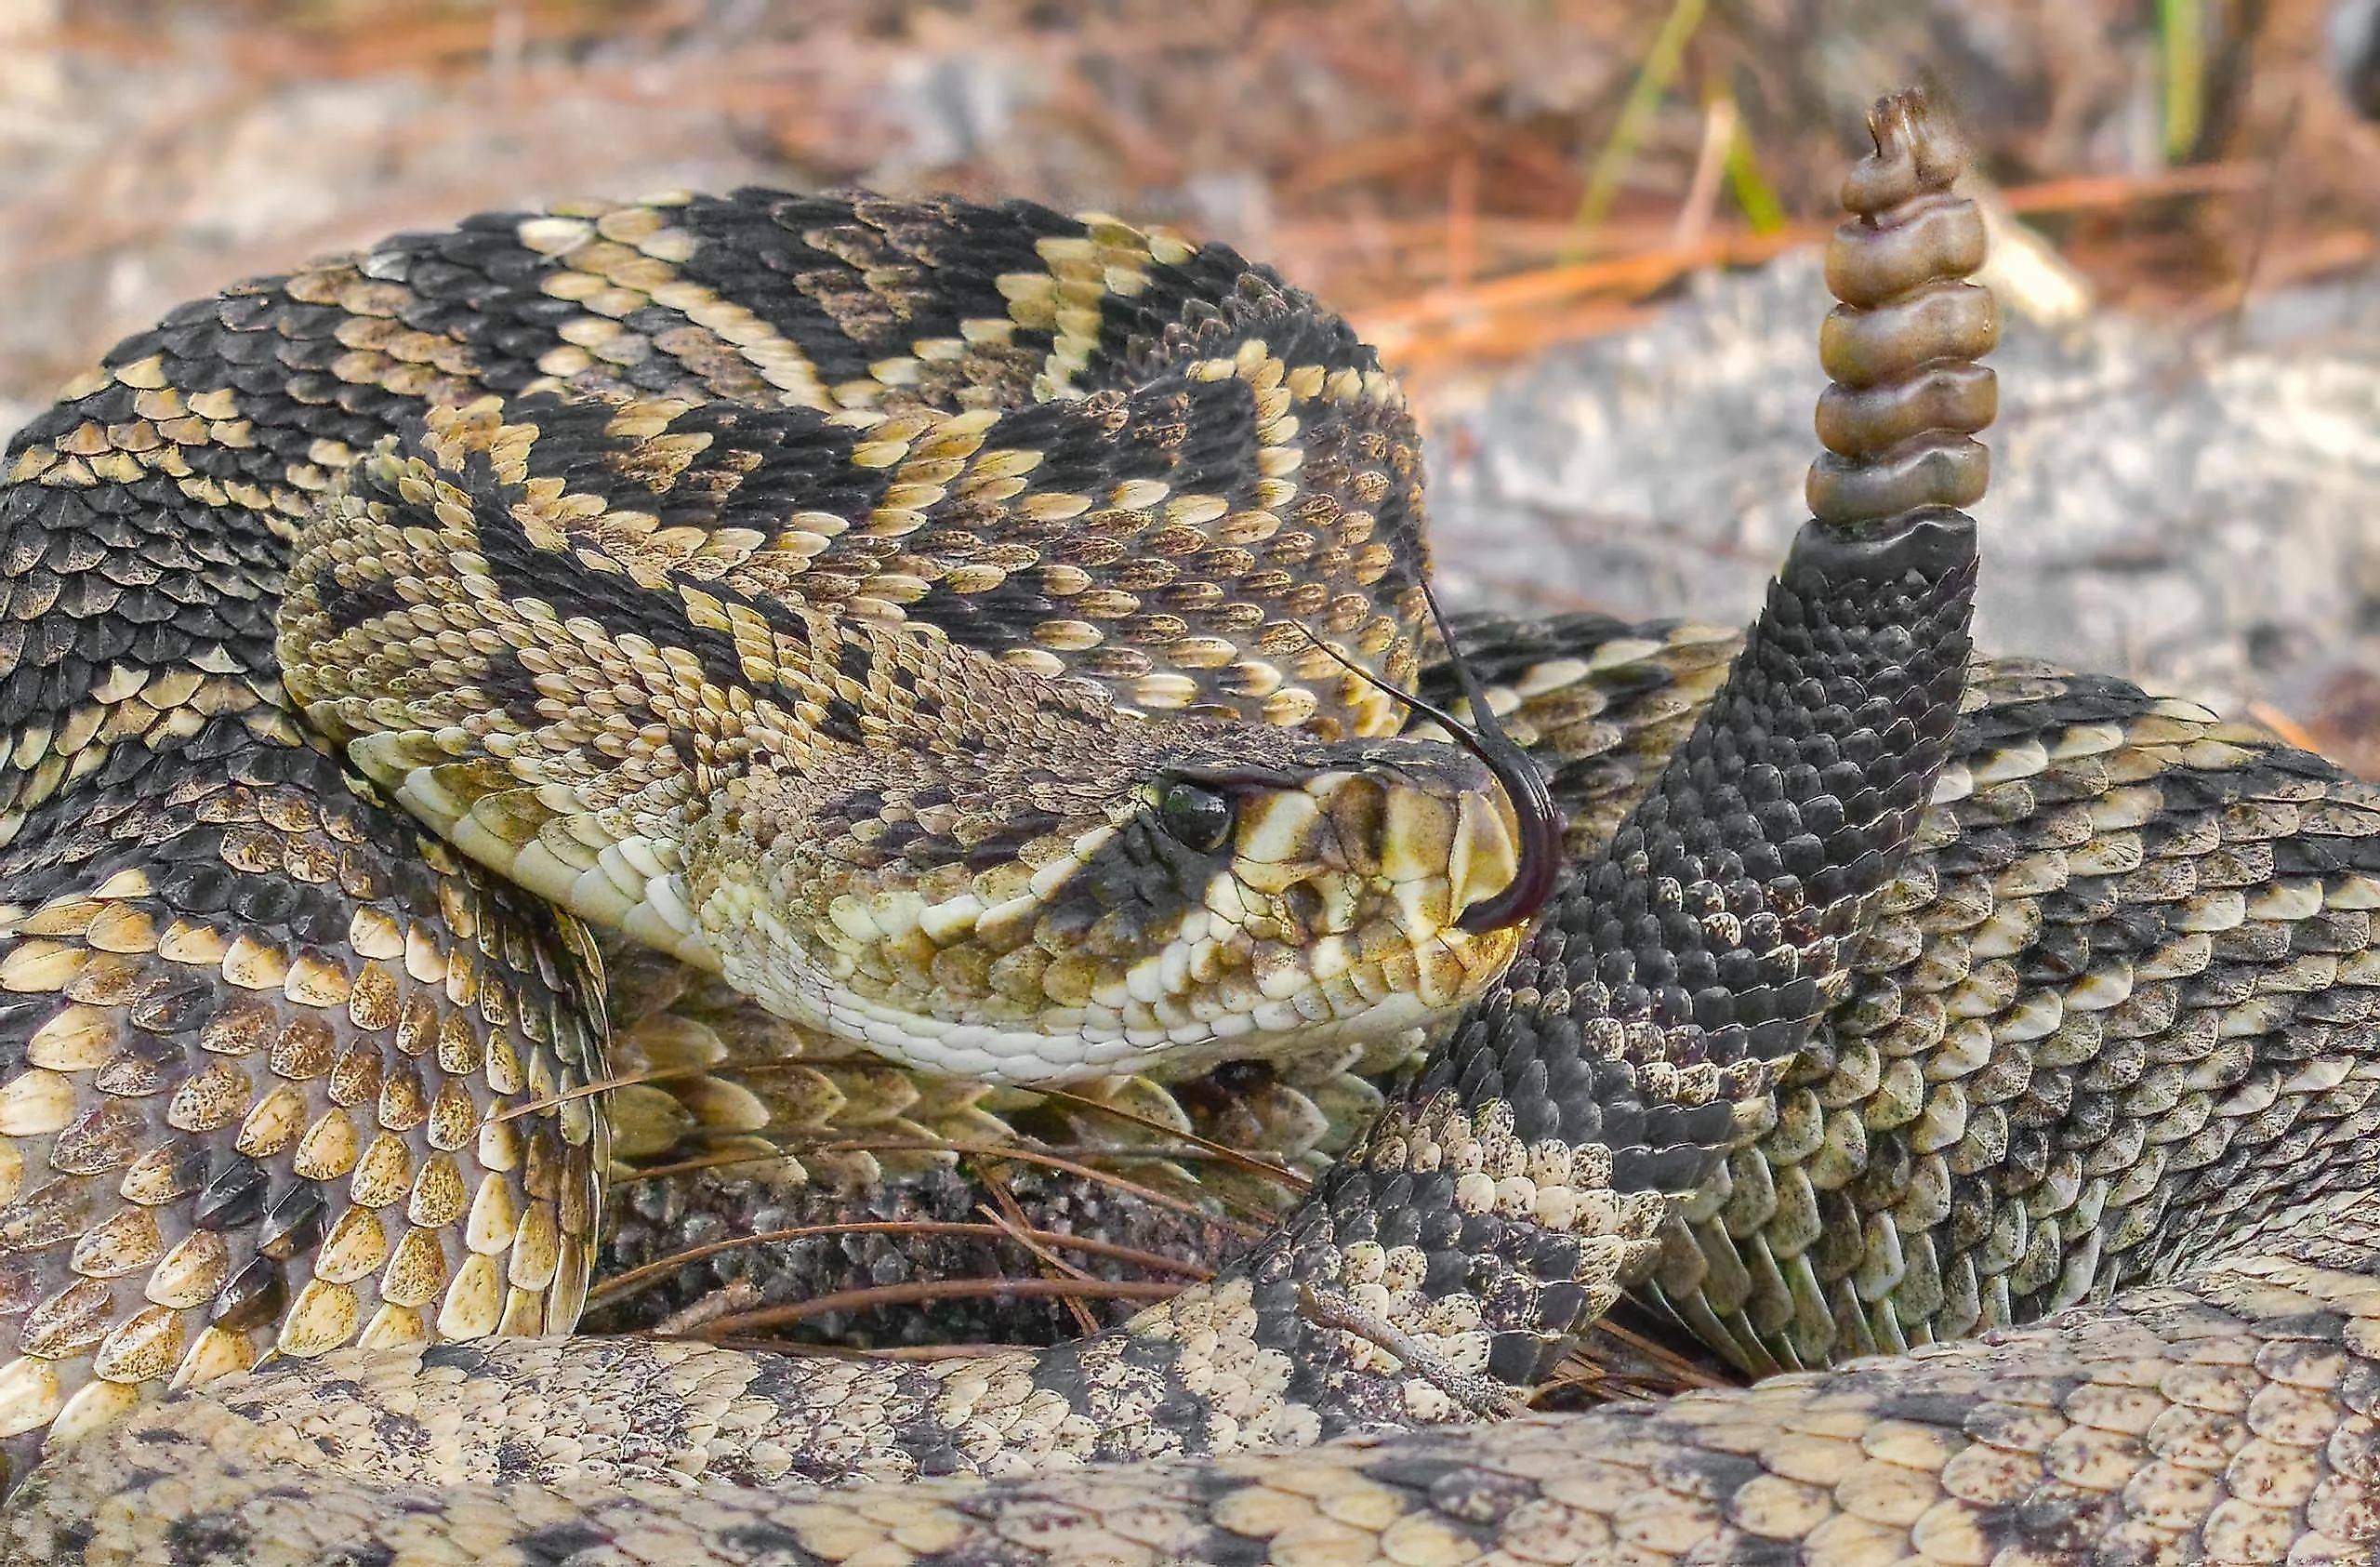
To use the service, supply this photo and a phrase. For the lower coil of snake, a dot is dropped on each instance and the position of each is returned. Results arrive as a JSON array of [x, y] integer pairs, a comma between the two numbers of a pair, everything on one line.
[[1885, 997]]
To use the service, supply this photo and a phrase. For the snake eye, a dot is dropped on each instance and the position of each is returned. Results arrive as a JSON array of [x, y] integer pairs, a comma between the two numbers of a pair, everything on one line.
[[1197, 818]]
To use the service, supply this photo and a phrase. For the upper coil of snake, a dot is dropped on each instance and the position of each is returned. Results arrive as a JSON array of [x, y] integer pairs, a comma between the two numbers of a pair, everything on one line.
[[923, 716]]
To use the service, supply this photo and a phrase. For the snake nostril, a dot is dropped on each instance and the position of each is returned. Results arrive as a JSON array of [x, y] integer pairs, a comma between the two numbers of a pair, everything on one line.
[[1357, 824]]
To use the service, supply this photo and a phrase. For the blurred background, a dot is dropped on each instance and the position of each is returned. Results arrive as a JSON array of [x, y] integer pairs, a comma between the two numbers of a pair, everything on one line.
[[1580, 227]]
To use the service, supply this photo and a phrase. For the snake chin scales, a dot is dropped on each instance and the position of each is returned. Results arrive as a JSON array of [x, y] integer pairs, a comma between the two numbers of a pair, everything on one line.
[[960, 863]]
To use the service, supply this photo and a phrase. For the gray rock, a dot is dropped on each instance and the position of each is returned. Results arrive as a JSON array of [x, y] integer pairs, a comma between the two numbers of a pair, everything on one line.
[[2192, 510]]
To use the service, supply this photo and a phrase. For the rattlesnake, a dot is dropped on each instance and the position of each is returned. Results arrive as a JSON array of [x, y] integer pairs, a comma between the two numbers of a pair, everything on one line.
[[2001, 1139]]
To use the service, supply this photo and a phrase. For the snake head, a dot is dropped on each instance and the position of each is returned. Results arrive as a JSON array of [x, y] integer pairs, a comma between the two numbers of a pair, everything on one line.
[[961, 862], [1223, 892]]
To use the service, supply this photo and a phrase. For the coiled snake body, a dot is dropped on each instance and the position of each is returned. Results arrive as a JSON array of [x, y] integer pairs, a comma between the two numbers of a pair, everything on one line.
[[2104, 1024]]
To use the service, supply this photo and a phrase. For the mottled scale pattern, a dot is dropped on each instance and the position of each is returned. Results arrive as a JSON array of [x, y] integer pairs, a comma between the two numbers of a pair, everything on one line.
[[1767, 987], [2120, 1008], [259, 1032], [1501, 1200], [872, 708], [647, 716], [2118, 1002], [2228, 1417], [281, 1071], [2063, 776], [1497, 1203]]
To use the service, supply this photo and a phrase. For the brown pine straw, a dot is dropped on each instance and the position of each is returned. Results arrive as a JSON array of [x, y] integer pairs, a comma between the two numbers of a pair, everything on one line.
[[850, 1352], [600, 1085], [1668, 1372], [1674, 1374], [1010, 1218], [1656, 268], [635, 1280], [1506, 315], [1222, 1152], [1023, 1155], [918, 1291], [2290, 730]]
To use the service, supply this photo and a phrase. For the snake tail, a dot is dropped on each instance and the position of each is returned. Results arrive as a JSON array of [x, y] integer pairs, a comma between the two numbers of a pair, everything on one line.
[[1900, 419]]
